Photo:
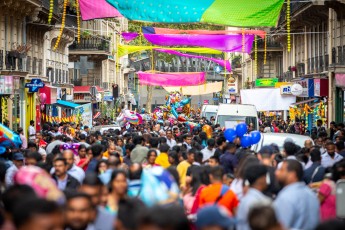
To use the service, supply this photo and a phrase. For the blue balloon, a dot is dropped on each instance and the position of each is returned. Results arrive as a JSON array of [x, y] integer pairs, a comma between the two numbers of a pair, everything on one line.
[[246, 141], [241, 129], [256, 136], [230, 135]]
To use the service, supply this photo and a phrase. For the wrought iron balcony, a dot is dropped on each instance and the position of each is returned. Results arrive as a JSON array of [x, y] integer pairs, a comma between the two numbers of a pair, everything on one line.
[[92, 43]]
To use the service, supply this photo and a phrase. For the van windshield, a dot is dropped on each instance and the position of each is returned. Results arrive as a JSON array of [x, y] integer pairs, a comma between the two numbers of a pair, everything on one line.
[[228, 121], [208, 115]]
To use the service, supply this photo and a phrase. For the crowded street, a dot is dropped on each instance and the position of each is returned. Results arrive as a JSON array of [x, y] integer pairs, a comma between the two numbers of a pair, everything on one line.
[[172, 115]]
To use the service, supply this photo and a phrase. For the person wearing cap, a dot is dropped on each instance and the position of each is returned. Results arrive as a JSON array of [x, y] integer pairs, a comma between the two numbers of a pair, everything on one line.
[[18, 162], [255, 180], [214, 217]]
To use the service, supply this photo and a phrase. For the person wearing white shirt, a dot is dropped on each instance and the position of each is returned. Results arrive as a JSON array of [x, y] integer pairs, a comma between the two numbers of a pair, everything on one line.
[[32, 131], [329, 158], [170, 141], [208, 151]]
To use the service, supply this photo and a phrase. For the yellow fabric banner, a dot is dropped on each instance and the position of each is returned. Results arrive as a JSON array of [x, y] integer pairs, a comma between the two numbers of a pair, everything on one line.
[[128, 49]]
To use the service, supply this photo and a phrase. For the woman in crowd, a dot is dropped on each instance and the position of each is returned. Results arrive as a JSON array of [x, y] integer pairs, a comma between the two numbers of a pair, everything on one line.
[[151, 158], [118, 190]]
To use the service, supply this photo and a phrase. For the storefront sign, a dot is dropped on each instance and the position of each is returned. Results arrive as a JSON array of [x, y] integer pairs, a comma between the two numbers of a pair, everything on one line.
[[285, 90], [34, 85], [232, 85], [266, 82], [320, 87], [82, 97], [308, 87], [206, 102], [280, 84], [296, 89], [108, 96]]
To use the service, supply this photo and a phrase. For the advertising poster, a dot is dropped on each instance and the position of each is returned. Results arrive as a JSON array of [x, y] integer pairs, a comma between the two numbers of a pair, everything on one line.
[[84, 112]]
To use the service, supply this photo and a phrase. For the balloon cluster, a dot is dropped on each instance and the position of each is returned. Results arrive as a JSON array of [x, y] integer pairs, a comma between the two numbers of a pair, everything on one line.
[[8, 138], [131, 117], [73, 147], [240, 132], [174, 102]]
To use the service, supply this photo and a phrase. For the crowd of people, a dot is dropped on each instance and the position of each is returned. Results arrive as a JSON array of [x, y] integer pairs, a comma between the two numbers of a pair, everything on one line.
[[167, 176]]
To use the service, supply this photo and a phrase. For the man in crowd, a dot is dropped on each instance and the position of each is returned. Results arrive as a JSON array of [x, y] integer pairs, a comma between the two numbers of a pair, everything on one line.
[[209, 150], [63, 179], [139, 153], [18, 162], [228, 160], [316, 171], [296, 206], [32, 131], [170, 141], [330, 157], [97, 152], [217, 193], [255, 180], [184, 165]]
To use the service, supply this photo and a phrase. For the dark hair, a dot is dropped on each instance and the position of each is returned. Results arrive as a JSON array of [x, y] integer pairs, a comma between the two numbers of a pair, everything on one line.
[[262, 218], [92, 179], [217, 172], [295, 166], [60, 159], [331, 224], [161, 217], [70, 195], [211, 142], [154, 142], [230, 145], [81, 147], [329, 143], [315, 155], [32, 144], [137, 140], [28, 209], [135, 174], [174, 173], [131, 212], [200, 176], [117, 172], [290, 148], [97, 150], [34, 155], [340, 145], [164, 148], [173, 154], [215, 158], [99, 164], [15, 194], [220, 140]]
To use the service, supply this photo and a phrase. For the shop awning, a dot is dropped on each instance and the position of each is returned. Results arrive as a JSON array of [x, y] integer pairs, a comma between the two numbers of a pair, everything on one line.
[[305, 101], [68, 104]]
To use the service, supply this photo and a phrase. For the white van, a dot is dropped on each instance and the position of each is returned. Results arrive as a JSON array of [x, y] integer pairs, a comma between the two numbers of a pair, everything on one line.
[[208, 111], [229, 115]]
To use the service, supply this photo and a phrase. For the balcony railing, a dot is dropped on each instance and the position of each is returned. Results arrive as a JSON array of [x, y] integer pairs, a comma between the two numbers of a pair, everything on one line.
[[91, 44], [269, 44]]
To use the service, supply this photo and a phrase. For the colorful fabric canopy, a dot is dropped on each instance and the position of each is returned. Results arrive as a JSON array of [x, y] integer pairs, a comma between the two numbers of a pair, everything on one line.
[[171, 79], [220, 62], [225, 43], [92, 9], [156, 30], [127, 49], [129, 36], [244, 13], [206, 88]]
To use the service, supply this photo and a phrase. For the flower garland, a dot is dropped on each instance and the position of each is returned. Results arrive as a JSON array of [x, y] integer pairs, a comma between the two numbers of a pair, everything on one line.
[[78, 20], [265, 49], [62, 25], [51, 9], [288, 23]]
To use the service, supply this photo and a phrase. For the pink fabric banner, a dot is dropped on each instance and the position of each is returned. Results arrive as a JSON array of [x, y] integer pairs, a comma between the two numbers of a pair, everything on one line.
[[225, 43], [171, 79], [93, 9], [218, 61], [129, 36]]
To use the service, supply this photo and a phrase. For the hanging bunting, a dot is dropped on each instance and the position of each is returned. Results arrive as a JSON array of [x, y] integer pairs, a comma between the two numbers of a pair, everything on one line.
[[62, 25], [78, 20], [265, 50], [127, 49], [288, 24], [225, 43], [51, 9], [94, 9], [220, 62], [129, 36], [157, 30], [171, 79], [245, 13]]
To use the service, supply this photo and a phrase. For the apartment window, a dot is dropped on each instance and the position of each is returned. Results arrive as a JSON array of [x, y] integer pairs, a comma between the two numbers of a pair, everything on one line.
[[28, 64]]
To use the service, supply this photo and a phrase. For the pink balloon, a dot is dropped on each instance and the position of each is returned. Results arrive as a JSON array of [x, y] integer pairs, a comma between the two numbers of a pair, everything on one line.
[[43, 98], [42, 107]]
